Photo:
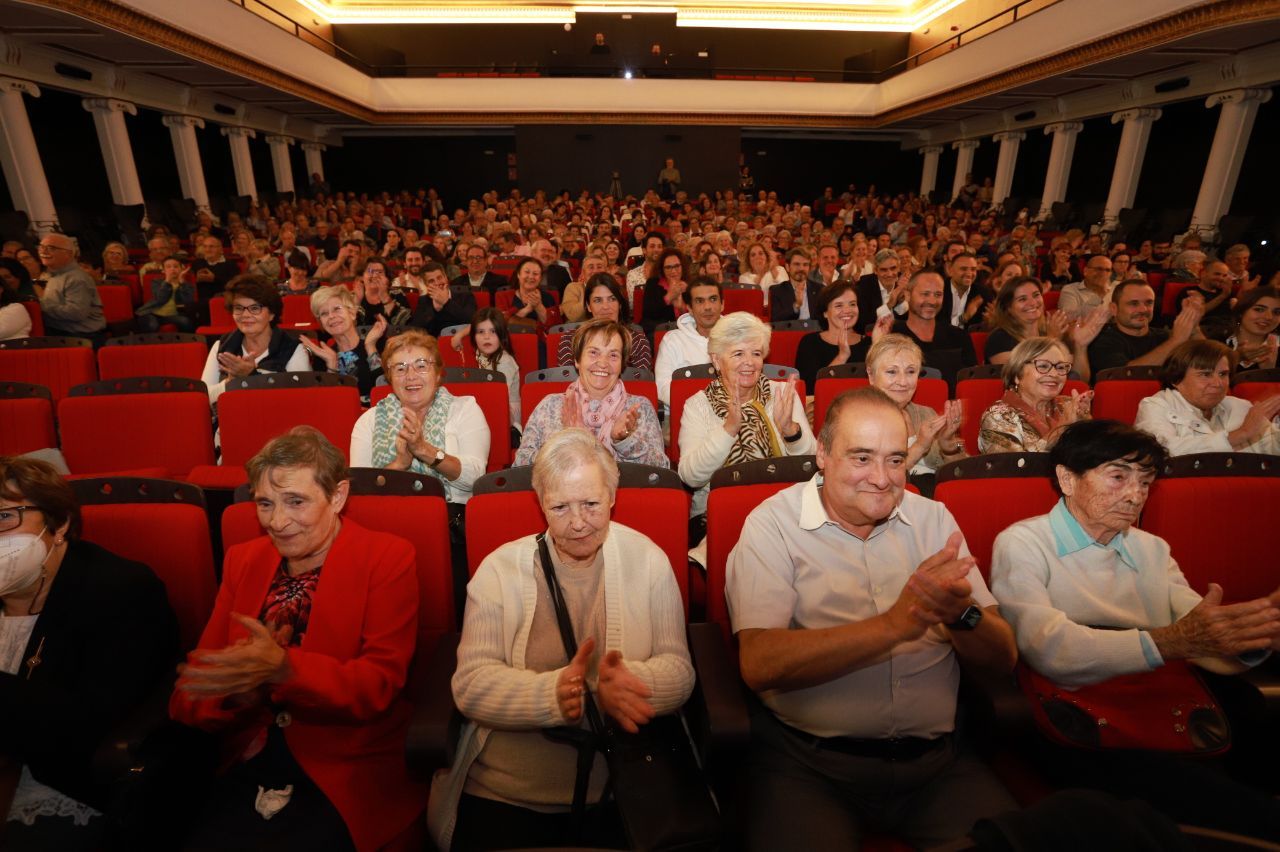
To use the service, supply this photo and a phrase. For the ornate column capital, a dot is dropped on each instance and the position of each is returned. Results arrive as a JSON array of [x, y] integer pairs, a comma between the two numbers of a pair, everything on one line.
[[314, 146], [1233, 96], [1149, 113], [174, 120], [280, 140], [13, 84], [108, 105], [246, 132], [1010, 135], [1063, 127], [966, 144]]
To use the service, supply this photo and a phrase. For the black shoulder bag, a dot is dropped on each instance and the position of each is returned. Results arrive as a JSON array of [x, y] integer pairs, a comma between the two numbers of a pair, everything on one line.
[[654, 777]]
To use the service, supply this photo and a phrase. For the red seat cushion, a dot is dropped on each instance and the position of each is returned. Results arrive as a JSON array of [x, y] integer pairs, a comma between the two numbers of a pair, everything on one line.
[[1117, 399], [59, 369]]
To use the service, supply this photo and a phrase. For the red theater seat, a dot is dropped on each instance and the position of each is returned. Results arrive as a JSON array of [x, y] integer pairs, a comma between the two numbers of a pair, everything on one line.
[[58, 363], [153, 355], [651, 500], [26, 418], [785, 340], [931, 390], [37, 317], [1256, 385], [129, 424], [1117, 392]]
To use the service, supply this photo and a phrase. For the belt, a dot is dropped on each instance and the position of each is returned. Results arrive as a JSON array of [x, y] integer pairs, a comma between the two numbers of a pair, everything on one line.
[[893, 749]]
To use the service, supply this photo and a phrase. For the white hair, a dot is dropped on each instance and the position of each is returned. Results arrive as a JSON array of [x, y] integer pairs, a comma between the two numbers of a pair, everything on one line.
[[569, 449], [737, 327]]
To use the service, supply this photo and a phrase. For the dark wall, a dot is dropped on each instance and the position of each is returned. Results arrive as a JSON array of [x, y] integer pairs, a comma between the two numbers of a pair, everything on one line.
[[70, 152], [1033, 162], [1260, 173], [460, 167], [153, 155], [1094, 161], [801, 168], [1176, 155], [215, 156], [572, 157]]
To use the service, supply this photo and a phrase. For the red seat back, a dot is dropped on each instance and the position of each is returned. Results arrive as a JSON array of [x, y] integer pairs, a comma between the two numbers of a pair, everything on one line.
[[1214, 509], [128, 431], [26, 419], [220, 315], [1172, 290], [735, 492], [689, 382], [1051, 300], [783, 346], [164, 526], [247, 419], [157, 359], [297, 313], [37, 318], [58, 368], [979, 339], [1117, 399], [988, 493], [492, 398], [650, 500], [749, 299], [1256, 391], [117, 303], [930, 392]]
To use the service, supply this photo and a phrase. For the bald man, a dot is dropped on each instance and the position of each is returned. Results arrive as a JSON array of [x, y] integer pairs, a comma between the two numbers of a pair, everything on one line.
[[70, 304]]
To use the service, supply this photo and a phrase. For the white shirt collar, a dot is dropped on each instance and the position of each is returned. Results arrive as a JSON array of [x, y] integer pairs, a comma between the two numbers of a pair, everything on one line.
[[813, 515]]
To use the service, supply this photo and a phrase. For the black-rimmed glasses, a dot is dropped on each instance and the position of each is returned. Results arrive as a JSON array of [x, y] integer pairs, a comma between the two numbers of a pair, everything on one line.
[[11, 516]]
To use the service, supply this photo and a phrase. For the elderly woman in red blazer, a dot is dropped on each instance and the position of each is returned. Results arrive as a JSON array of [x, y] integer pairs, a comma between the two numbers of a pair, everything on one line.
[[301, 669]]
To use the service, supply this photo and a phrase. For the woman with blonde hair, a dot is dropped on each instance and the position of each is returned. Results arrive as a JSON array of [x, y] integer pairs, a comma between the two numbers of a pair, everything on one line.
[[1032, 413], [894, 363], [757, 267]]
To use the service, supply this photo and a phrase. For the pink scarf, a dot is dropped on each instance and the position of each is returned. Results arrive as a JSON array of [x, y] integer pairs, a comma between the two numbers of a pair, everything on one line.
[[597, 415]]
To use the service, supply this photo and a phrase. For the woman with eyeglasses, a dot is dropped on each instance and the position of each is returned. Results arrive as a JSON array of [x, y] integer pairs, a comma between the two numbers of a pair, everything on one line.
[[85, 637], [373, 290], [420, 425], [664, 292], [257, 345], [1032, 412]]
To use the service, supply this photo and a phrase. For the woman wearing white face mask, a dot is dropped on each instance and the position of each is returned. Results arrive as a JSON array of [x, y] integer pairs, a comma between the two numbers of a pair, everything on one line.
[[84, 636]]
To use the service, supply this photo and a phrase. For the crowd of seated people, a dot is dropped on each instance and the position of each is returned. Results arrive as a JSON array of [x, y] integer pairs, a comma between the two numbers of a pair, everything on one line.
[[895, 284]]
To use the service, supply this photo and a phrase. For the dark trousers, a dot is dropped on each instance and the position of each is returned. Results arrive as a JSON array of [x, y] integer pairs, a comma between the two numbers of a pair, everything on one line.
[[484, 824], [804, 796]]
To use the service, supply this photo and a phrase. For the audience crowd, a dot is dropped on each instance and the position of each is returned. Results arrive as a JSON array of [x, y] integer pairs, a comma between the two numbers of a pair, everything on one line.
[[853, 596]]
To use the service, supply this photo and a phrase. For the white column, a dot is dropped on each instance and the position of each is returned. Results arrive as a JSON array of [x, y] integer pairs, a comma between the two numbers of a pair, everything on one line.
[[1133, 149], [241, 161], [1006, 161], [280, 165], [186, 150], [929, 173], [964, 163], [1235, 124], [315, 163], [1056, 176], [117, 153], [20, 158]]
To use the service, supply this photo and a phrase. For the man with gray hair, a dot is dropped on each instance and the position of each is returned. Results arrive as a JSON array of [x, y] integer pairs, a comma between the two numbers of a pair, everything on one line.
[[70, 304], [884, 289], [853, 602], [1186, 266]]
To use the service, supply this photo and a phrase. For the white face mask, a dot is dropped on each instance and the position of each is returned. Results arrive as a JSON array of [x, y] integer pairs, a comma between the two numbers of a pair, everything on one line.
[[22, 558]]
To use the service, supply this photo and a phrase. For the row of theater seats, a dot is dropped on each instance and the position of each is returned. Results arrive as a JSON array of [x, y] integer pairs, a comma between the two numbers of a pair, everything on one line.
[[97, 422], [1208, 507]]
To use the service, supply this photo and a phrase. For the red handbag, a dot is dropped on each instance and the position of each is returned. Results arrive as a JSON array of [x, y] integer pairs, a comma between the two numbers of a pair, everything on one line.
[[1168, 709]]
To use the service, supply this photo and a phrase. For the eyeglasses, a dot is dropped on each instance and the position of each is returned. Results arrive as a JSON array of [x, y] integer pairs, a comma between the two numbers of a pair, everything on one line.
[[47, 249], [241, 310], [1059, 367], [672, 266], [421, 367], [11, 516]]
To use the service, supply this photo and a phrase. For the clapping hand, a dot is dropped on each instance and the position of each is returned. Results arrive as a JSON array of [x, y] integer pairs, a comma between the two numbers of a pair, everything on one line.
[[1187, 322], [240, 667], [1079, 408], [237, 367], [784, 407], [733, 417], [626, 424], [376, 331], [623, 695], [883, 326], [936, 593], [972, 307], [571, 685], [319, 350]]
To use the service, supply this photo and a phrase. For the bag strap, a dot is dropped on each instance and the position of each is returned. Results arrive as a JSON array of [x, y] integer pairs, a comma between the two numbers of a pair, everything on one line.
[[586, 745]]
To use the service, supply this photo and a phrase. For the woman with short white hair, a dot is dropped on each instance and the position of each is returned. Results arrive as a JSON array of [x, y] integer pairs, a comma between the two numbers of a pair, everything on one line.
[[341, 350], [742, 415], [515, 679]]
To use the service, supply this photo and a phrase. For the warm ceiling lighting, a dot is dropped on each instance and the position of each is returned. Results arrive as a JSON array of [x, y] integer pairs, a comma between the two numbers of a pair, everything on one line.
[[840, 15]]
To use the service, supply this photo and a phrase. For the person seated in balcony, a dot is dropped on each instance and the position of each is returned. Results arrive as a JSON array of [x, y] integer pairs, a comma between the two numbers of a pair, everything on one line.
[[624, 423], [1091, 597], [1194, 414], [603, 300], [509, 784], [1032, 413], [1254, 340], [301, 668]]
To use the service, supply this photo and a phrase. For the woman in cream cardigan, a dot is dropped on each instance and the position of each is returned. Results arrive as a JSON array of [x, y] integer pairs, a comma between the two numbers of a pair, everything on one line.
[[509, 785]]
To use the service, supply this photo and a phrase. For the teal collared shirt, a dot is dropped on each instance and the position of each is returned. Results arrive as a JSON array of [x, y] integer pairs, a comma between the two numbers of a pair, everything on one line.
[[1069, 537]]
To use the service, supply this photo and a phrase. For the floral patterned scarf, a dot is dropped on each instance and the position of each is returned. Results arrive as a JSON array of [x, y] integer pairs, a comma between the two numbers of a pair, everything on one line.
[[597, 415]]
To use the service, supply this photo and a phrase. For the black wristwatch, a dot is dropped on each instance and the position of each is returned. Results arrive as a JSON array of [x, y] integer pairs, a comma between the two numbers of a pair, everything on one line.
[[968, 619]]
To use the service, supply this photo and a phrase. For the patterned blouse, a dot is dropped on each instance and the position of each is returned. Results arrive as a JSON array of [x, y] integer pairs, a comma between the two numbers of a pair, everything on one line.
[[1011, 426], [288, 601]]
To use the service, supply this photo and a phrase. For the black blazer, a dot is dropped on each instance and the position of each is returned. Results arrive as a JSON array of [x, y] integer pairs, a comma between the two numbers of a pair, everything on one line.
[[556, 278], [975, 323], [869, 300], [492, 281], [456, 311], [655, 309], [106, 639], [782, 303]]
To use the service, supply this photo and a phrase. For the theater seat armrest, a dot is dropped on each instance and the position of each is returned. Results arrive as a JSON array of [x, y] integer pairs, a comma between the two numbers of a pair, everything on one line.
[[436, 722], [120, 751], [996, 704], [717, 710]]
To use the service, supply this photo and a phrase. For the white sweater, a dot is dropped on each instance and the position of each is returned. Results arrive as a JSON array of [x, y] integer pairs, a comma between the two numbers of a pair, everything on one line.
[[466, 438], [704, 445], [682, 347], [644, 620], [15, 322], [1182, 428]]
